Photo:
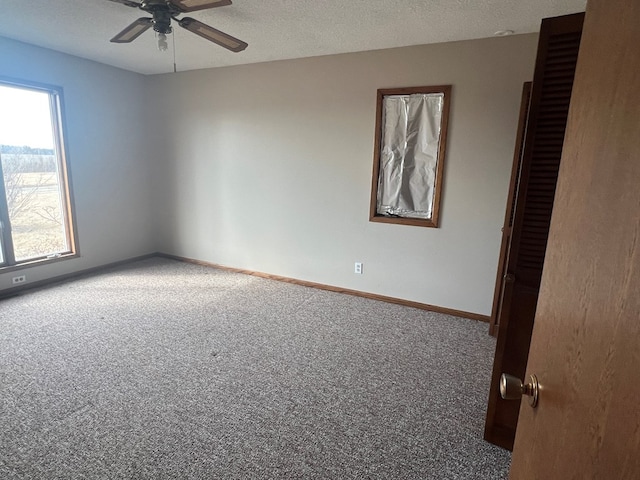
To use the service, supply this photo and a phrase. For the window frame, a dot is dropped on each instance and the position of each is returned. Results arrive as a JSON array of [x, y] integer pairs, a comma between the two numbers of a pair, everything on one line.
[[433, 221], [58, 124]]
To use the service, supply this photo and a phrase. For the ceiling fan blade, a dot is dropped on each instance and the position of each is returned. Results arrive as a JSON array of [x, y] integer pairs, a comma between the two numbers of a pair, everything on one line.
[[193, 5], [128, 3], [213, 35], [133, 31]]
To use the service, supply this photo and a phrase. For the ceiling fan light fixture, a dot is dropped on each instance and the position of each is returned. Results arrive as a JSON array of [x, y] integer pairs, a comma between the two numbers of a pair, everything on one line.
[[164, 28], [163, 46]]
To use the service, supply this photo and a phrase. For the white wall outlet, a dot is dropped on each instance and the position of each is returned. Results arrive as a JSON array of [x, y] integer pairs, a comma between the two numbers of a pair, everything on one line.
[[19, 279], [358, 268]]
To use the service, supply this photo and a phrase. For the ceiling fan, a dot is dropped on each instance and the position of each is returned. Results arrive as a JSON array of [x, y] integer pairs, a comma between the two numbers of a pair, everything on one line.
[[163, 11]]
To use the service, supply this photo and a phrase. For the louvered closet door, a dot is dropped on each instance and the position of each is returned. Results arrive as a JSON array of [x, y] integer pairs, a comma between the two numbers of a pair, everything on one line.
[[553, 80], [507, 228]]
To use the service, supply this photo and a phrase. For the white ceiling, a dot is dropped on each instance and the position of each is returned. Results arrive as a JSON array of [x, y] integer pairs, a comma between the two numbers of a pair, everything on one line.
[[274, 29]]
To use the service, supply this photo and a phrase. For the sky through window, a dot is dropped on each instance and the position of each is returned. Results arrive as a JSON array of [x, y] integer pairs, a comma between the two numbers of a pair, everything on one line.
[[25, 118]]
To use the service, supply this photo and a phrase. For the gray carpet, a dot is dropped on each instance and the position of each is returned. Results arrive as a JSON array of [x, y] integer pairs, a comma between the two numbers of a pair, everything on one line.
[[162, 370]]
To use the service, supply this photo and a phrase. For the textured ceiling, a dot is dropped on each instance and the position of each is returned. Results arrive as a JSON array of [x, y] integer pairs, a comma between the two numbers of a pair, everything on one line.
[[274, 29]]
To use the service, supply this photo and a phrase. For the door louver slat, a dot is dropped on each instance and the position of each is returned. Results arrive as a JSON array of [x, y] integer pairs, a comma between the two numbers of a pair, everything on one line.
[[546, 151], [542, 150]]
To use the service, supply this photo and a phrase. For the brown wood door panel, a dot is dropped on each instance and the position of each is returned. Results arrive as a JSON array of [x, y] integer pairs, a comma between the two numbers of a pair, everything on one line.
[[586, 338], [510, 211], [550, 97]]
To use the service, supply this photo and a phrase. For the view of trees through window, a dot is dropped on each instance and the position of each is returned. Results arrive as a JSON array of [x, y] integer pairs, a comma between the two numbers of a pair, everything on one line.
[[34, 202]]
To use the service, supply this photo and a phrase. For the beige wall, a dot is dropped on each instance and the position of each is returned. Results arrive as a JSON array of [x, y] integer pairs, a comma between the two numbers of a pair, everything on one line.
[[267, 167], [110, 167]]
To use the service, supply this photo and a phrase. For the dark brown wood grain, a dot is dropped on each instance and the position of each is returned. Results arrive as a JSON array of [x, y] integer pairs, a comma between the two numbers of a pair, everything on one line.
[[550, 96], [510, 210], [586, 335]]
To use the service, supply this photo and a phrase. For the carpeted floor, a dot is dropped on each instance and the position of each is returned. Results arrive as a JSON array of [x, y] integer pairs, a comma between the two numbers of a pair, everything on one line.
[[163, 370]]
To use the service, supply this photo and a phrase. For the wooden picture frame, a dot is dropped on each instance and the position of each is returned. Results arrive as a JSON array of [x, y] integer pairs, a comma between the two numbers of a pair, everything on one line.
[[432, 98]]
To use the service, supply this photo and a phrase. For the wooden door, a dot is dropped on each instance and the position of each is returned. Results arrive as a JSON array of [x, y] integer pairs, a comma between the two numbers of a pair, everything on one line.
[[507, 228], [549, 107], [585, 346]]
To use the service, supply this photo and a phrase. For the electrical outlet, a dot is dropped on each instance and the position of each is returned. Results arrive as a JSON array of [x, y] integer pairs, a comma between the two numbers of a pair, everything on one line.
[[358, 268], [19, 279]]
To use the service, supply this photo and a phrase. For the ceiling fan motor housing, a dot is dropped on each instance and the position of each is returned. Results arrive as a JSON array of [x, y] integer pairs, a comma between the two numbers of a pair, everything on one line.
[[163, 11], [162, 22]]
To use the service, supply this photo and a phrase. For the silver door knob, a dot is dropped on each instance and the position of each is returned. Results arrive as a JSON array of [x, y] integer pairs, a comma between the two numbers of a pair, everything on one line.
[[512, 388]]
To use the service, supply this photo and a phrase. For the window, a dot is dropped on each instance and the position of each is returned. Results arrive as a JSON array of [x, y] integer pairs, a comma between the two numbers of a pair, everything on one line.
[[35, 205], [409, 152]]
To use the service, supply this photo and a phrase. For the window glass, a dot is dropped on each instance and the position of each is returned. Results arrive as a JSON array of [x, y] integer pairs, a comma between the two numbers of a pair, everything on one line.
[[35, 204]]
